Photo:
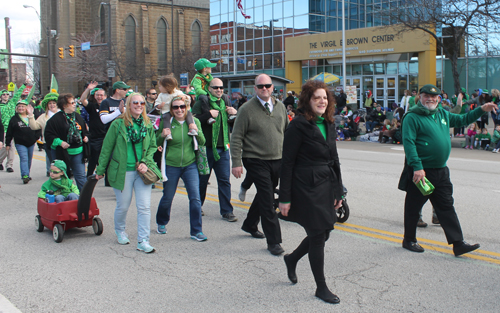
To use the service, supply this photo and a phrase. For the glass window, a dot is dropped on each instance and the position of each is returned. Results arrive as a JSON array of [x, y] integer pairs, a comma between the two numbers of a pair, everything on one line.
[[331, 24], [367, 84], [258, 15], [367, 69], [316, 6], [337, 70], [161, 42], [130, 45], [353, 24], [316, 23], [278, 44], [268, 59], [413, 67], [329, 69], [215, 8], [288, 9], [356, 69], [301, 23], [331, 8], [278, 60], [224, 5], [300, 7], [288, 25], [403, 67], [258, 45], [196, 40], [312, 72], [258, 62], [403, 82], [267, 45], [257, 3], [278, 10], [392, 68], [380, 68], [215, 20], [268, 12]]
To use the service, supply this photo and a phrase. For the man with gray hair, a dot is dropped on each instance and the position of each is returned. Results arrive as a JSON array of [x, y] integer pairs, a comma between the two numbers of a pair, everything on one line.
[[257, 140]]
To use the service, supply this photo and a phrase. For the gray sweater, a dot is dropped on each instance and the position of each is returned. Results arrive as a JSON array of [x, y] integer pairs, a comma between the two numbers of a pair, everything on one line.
[[258, 134]]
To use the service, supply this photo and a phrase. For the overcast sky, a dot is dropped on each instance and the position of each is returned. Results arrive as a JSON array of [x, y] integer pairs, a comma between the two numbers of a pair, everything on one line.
[[25, 25]]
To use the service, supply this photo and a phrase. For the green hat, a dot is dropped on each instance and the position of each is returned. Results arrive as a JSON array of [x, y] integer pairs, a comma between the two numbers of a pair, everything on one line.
[[51, 96], [22, 102], [60, 165], [463, 90], [129, 93], [192, 93], [120, 85], [4, 91], [93, 91], [202, 63], [430, 90], [486, 91]]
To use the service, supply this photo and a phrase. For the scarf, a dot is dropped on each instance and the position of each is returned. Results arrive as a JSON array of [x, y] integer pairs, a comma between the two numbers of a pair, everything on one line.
[[216, 127], [422, 110], [73, 132], [62, 185], [134, 135]]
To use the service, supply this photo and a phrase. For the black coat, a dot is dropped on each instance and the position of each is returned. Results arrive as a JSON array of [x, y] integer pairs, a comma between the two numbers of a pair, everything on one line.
[[310, 174], [20, 132]]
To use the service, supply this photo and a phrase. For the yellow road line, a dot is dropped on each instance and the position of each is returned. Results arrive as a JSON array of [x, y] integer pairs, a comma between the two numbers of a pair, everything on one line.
[[351, 228]]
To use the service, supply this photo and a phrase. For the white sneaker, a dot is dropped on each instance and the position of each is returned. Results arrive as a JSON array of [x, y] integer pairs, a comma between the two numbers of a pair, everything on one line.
[[242, 194], [145, 246], [495, 151]]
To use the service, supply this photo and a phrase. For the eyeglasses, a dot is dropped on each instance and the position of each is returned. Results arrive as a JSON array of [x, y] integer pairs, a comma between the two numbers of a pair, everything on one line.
[[217, 87], [177, 107], [72, 102], [124, 89], [153, 94], [139, 102], [55, 172], [264, 85]]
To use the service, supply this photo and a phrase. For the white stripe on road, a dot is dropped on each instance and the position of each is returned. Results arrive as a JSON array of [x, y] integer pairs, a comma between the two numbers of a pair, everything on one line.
[[6, 306]]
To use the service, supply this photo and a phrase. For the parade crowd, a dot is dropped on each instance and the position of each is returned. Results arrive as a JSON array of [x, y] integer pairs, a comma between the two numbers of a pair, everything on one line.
[[133, 140]]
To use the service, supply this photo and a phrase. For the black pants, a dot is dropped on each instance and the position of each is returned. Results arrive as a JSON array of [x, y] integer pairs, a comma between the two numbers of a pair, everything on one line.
[[265, 175], [247, 182], [95, 152], [314, 245], [442, 201]]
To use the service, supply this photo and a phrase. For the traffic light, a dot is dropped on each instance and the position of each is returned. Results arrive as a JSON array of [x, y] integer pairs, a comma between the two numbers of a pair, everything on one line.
[[61, 53], [254, 61], [71, 51]]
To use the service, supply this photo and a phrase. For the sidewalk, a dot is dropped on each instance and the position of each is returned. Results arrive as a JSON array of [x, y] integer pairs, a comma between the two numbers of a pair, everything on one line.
[[6, 306]]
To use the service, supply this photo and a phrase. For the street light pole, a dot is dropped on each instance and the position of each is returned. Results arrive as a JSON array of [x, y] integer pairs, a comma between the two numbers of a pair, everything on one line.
[[47, 33]]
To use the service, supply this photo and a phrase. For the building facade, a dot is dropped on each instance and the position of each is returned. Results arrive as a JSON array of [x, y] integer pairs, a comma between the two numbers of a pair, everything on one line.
[[149, 38]]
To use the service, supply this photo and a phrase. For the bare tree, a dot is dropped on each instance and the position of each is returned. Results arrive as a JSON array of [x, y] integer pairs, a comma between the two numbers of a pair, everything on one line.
[[32, 64], [459, 20]]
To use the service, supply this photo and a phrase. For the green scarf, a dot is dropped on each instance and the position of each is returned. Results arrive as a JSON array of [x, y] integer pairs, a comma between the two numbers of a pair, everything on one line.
[[422, 110], [73, 131], [134, 135], [62, 185], [216, 126]]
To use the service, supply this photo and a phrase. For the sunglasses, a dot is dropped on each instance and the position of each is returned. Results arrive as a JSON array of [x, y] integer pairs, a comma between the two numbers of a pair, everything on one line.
[[264, 85], [124, 89], [139, 102], [153, 94], [217, 87], [177, 107], [55, 172], [72, 102]]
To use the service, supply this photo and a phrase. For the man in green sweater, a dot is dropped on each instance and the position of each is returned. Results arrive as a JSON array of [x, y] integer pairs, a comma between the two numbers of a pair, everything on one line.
[[257, 140], [426, 140], [7, 111]]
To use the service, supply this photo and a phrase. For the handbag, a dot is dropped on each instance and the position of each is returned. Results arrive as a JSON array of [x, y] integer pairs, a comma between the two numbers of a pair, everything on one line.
[[149, 177], [201, 158]]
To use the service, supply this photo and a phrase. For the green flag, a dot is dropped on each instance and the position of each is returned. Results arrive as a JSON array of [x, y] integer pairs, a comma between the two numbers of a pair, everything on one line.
[[32, 92], [54, 87]]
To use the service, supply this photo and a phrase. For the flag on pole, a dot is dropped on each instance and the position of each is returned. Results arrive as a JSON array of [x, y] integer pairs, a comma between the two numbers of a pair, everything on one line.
[[32, 92], [240, 6], [54, 87]]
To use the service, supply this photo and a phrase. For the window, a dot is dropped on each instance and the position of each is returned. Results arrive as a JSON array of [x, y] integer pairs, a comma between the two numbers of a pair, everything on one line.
[[161, 39], [102, 20], [196, 39], [130, 45]]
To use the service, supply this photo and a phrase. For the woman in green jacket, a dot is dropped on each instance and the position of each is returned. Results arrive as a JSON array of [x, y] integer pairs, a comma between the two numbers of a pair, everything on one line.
[[131, 130], [180, 162]]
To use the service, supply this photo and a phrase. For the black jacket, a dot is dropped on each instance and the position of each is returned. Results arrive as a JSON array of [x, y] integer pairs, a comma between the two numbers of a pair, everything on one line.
[[310, 174], [289, 100], [202, 112], [375, 115], [20, 132], [57, 127]]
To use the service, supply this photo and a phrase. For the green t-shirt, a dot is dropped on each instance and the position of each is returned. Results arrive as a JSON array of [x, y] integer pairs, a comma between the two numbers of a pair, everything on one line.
[[321, 125], [130, 153]]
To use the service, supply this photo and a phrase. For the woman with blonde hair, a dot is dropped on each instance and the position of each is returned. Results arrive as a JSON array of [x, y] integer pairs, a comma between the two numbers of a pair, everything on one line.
[[130, 131]]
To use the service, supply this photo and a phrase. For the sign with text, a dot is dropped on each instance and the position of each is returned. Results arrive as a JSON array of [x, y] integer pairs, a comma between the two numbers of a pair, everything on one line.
[[11, 86], [352, 95], [359, 42], [85, 45], [184, 80]]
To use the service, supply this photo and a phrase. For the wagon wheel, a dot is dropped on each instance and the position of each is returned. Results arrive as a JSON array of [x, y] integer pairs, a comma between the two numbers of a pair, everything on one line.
[[58, 233], [38, 224], [343, 212], [97, 226]]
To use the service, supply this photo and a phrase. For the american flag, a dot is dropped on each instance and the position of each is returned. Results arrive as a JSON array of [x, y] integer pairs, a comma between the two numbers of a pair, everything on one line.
[[240, 6]]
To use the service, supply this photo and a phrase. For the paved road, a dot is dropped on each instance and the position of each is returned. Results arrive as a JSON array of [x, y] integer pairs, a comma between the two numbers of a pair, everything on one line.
[[232, 272]]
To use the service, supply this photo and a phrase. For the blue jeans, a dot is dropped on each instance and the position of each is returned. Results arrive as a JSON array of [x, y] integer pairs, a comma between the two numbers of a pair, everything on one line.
[[69, 197], [222, 172], [25, 157], [134, 183], [370, 125], [191, 178], [77, 167]]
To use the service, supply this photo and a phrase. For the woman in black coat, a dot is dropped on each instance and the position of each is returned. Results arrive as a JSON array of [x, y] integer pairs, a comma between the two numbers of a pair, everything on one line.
[[310, 181]]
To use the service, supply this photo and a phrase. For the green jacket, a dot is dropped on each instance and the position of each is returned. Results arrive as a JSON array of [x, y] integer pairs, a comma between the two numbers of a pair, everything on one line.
[[180, 150], [483, 136], [496, 136], [8, 109], [201, 83], [411, 102], [52, 185], [426, 137], [114, 153]]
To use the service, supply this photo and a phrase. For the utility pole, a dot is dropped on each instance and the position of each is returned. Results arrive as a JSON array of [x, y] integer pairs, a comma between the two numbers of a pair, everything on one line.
[[7, 38]]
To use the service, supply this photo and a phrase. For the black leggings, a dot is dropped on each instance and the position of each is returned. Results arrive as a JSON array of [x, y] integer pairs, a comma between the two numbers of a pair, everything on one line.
[[314, 244]]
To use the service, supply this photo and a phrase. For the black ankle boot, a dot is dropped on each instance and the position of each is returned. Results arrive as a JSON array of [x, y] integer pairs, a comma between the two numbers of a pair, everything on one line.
[[326, 295], [290, 267]]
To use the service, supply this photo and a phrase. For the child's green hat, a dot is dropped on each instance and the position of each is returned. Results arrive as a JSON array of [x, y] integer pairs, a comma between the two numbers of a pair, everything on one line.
[[60, 165], [202, 63]]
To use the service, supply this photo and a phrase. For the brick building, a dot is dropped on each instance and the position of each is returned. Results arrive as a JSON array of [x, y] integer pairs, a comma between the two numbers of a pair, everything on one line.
[[149, 38]]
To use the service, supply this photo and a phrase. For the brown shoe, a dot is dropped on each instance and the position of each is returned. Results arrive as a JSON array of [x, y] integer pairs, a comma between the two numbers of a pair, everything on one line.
[[435, 219], [421, 223]]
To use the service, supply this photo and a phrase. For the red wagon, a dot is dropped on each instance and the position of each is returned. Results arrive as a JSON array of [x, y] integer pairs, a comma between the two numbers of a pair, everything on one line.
[[60, 217]]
